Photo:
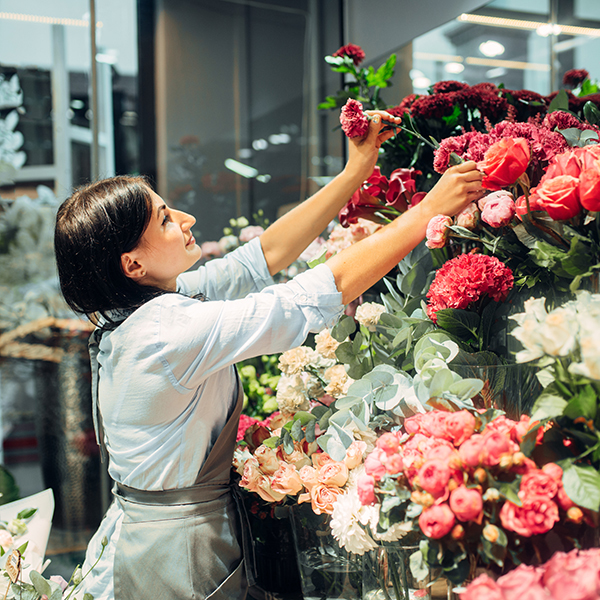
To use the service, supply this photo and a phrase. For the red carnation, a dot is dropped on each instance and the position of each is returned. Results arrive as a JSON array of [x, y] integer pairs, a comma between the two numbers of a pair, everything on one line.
[[574, 77], [467, 278], [443, 87], [353, 119], [356, 53], [433, 107]]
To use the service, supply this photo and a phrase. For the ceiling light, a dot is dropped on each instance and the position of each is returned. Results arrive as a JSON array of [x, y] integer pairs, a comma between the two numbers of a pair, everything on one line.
[[491, 48], [260, 144], [415, 74], [47, 20], [549, 29], [496, 72], [454, 67], [421, 83], [241, 168]]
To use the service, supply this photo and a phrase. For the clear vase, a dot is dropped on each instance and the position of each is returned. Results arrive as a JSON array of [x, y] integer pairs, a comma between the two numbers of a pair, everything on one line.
[[387, 574], [326, 570]]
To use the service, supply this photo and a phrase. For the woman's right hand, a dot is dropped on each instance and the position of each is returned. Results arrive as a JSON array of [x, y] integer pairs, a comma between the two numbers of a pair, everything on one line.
[[458, 186]]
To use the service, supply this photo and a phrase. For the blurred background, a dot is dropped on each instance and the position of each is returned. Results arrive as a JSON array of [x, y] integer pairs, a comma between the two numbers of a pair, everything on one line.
[[215, 101]]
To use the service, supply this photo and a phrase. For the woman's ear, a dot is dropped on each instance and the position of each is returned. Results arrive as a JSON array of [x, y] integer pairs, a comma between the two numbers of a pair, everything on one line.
[[131, 267]]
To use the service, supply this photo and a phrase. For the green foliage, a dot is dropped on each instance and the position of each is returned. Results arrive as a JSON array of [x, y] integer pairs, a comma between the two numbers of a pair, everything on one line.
[[260, 377]]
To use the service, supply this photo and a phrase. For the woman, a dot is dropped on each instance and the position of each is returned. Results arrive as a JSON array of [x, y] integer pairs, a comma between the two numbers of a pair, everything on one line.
[[168, 396]]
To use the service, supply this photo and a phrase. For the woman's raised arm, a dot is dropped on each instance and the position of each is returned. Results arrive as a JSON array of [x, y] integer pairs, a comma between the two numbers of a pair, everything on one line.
[[289, 236]]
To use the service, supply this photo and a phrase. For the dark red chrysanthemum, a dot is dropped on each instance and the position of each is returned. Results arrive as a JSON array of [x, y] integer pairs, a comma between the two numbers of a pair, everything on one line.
[[467, 278], [356, 53], [574, 77], [443, 87], [485, 86], [432, 107]]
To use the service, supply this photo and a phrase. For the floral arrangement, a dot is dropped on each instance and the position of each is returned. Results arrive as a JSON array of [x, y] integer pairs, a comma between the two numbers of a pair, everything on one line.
[[467, 482], [574, 574]]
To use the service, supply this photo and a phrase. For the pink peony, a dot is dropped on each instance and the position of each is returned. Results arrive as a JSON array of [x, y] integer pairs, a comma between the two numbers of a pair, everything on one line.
[[352, 51], [365, 487], [537, 515], [482, 588], [499, 209], [437, 231], [437, 521], [472, 450], [375, 464], [388, 442], [467, 504], [434, 476], [469, 217], [516, 583], [465, 279], [353, 119], [460, 426], [495, 445]]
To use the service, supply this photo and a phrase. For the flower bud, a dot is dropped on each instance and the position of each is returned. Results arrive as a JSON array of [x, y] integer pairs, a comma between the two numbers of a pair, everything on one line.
[[104, 541], [458, 532], [575, 514], [506, 461], [77, 577], [452, 484], [491, 533], [491, 494], [518, 459], [480, 475]]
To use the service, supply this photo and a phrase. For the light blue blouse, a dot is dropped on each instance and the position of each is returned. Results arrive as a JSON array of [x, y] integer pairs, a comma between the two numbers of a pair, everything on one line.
[[165, 391]]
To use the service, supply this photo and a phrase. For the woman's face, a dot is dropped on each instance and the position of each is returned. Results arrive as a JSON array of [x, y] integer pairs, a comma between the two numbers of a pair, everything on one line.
[[167, 248]]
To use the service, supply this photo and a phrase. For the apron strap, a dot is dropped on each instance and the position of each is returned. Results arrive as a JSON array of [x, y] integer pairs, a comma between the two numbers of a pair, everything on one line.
[[93, 347]]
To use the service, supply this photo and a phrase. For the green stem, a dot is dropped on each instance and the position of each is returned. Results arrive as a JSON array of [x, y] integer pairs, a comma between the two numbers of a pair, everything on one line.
[[90, 570]]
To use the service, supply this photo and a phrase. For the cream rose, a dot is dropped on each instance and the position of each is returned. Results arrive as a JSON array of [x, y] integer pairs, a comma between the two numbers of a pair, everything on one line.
[[333, 474], [286, 480], [267, 459]]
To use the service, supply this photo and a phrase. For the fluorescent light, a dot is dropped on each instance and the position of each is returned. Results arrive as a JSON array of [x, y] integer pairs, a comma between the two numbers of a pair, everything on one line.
[[527, 25], [47, 20], [421, 83], [241, 168], [260, 144], [437, 56], [454, 67], [507, 64], [491, 48], [264, 178]]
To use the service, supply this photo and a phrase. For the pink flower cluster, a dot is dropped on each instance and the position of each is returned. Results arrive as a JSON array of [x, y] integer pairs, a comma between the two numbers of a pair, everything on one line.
[[353, 120], [566, 576], [343, 237], [467, 278], [307, 473], [570, 184], [450, 463], [378, 193]]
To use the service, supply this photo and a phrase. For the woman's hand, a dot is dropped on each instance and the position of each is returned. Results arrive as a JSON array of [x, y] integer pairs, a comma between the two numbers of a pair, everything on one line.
[[458, 186], [363, 152]]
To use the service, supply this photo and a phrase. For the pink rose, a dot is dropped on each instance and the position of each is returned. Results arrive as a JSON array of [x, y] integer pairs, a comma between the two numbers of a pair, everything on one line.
[[482, 588], [467, 504], [388, 442], [250, 476], [516, 582], [499, 209], [375, 464], [469, 217], [437, 231], [394, 464], [267, 459], [323, 498], [538, 483], [266, 492], [250, 232], [434, 476], [413, 424], [211, 250], [6, 540], [437, 521], [286, 480], [61, 581], [495, 445], [471, 452], [333, 474], [366, 489], [355, 453], [460, 426], [308, 476], [537, 515]]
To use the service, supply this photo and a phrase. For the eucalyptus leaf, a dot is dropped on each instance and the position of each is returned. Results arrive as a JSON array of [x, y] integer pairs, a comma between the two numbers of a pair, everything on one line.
[[296, 433], [344, 437], [310, 431], [343, 328], [559, 102], [348, 401], [440, 383], [418, 566], [387, 398], [336, 449], [466, 388], [40, 584]]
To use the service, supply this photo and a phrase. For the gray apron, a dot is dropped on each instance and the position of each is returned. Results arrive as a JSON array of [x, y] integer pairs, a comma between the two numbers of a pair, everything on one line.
[[183, 543]]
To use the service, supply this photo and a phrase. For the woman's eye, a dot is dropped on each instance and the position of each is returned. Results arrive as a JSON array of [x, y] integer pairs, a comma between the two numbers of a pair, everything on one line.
[[166, 219]]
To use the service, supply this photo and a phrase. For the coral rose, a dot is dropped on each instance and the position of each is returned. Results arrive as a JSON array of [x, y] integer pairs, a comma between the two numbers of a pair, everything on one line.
[[437, 521], [460, 426], [495, 445], [322, 498], [566, 163], [467, 504], [589, 189], [434, 476], [251, 475], [308, 476], [286, 480], [499, 209], [482, 587], [504, 162], [538, 483], [266, 492], [321, 458], [472, 451], [355, 453], [365, 487], [388, 442], [559, 197], [537, 515], [437, 231]]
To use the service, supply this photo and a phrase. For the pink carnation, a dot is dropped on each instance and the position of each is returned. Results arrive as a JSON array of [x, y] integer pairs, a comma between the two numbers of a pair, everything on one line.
[[467, 278], [352, 51], [353, 119]]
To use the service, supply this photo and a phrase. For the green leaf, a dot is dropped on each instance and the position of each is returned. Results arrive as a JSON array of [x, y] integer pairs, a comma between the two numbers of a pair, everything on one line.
[[582, 485], [23, 547], [510, 490], [418, 566], [591, 113], [357, 342], [348, 402], [495, 552], [310, 431], [559, 102], [583, 405], [27, 513], [304, 417], [345, 353], [529, 440], [344, 328], [380, 77], [321, 258], [548, 406], [272, 442], [288, 442], [40, 584], [466, 388], [461, 323], [296, 432]]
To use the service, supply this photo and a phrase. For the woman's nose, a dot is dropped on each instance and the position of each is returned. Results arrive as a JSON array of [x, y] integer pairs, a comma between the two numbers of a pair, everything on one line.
[[186, 220]]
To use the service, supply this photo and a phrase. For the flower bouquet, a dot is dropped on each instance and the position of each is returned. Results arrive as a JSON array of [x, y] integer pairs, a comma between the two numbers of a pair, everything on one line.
[[468, 483]]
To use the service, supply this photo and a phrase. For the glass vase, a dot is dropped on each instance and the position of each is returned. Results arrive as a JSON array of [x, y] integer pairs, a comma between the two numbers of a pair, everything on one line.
[[326, 570]]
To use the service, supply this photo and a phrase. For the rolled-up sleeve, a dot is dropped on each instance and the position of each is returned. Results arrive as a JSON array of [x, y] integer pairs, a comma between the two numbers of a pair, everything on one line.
[[236, 275], [195, 339]]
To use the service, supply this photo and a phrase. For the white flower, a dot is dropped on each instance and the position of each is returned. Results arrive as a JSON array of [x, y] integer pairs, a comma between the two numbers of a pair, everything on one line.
[[17, 526], [590, 356], [339, 382], [346, 524], [295, 360], [326, 344], [558, 331], [291, 394], [6, 540], [368, 314]]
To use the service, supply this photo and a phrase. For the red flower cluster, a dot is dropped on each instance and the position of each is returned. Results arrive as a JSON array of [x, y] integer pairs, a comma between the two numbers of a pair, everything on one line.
[[378, 192], [353, 120], [404, 106], [574, 77], [467, 278], [356, 53], [449, 463], [573, 575]]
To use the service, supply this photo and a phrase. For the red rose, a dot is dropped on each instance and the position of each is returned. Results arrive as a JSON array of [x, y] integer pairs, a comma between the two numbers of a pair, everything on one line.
[[559, 197], [437, 521], [504, 162], [534, 203], [589, 189], [566, 163]]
